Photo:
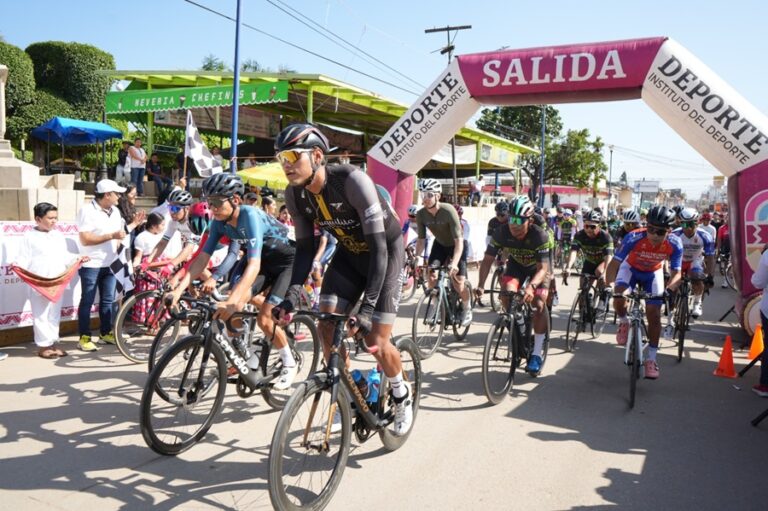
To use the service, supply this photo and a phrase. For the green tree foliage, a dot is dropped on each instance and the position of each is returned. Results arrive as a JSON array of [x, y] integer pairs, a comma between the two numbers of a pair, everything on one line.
[[20, 88], [71, 71], [44, 106], [213, 63], [521, 123], [251, 66]]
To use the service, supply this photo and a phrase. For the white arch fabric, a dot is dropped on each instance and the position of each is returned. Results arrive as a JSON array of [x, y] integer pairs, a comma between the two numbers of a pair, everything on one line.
[[710, 115]]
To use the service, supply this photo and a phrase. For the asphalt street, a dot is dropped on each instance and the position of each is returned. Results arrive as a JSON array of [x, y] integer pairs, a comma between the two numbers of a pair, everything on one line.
[[70, 440]]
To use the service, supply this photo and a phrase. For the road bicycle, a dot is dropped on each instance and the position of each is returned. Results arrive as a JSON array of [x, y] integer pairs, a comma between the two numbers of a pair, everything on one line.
[[586, 311], [637, 339], [439, 307], [508, 343], [308, 454], [495, 288], [413, 276], [185, 390]]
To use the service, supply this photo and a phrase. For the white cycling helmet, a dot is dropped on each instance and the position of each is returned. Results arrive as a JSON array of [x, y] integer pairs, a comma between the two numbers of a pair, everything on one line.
[[413, 209], [631, 216], [688, 215], [567, 212], [430, 185]]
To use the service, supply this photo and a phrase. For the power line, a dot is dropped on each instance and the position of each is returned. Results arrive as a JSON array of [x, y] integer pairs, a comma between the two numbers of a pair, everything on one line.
[[356, 48], [380, 80]]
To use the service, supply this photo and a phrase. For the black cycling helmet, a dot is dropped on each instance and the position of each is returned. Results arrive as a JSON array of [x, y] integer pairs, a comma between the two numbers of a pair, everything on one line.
[[502, 208], [179, 197], [301, 136], [223, 184], [660, 216]]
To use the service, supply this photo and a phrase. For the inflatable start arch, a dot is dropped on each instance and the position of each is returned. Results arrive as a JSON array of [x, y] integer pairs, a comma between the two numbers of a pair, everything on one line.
[[712, 117]]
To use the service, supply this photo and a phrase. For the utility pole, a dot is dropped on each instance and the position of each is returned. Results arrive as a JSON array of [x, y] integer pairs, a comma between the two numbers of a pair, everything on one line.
[[610, 177], [449, 50], [235, 96]]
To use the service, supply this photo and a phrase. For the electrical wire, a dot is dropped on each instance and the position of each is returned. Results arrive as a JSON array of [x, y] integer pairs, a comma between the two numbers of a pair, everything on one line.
[[293, 45]]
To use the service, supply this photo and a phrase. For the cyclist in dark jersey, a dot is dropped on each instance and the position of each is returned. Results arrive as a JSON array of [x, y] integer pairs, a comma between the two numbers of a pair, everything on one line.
[[449, 246], [502, 210], [269, 252], [369, 257], [631, 222], [529, 249], [597, 247]]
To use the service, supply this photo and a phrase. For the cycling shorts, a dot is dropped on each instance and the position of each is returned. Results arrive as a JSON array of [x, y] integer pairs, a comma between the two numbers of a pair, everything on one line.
[[441, 254], [347, 277], [511, 282], [694, 268], [652, 282], [275, 274]]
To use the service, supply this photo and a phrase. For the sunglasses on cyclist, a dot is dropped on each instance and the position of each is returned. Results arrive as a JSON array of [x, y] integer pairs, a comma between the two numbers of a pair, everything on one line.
[[173, 208], [591, 227], [216, 202], [658, 231], [291, 156], [688, 225], [516, 220], [428, 195]]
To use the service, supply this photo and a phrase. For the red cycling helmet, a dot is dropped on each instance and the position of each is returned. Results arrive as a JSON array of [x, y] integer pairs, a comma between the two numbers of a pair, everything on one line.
[[200, 217], [706, 216]]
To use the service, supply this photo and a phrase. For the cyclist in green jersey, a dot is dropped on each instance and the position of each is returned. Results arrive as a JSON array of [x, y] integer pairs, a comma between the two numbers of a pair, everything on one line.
[[597, 247]]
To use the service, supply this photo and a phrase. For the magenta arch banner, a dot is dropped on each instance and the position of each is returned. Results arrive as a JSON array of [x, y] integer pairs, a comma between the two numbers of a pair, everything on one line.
[[710, 115]]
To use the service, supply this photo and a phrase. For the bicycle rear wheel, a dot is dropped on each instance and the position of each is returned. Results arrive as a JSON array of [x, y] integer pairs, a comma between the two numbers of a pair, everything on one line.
[[181, 397], [428, 324], [134, 338], [600, 316], [307, 459], [305, 346], [575, 322], [496, 289], [460, 332], [409, 283], [634, 340], [411, 360], [730, 278], [499, 361]]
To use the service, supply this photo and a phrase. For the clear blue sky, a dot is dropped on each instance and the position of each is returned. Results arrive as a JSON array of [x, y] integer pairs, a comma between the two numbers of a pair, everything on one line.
[[173, 34]]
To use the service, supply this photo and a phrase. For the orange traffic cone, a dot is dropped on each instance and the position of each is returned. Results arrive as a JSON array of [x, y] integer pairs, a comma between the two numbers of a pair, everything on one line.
[[725, 366], [756, 348]]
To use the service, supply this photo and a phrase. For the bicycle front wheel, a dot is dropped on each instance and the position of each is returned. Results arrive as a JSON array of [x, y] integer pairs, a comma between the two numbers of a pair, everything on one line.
[[308, 454], [730, 278], [681, 325], [409, 283], [575, 322], [460, 332], [495, 289], [635, 339], [305, 347], [428, 324], [134, 336], [411, 361], [182, 396], [499, 361]]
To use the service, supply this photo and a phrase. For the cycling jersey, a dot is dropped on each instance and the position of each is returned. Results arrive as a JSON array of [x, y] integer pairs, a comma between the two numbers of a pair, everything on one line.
[[444, 224], [370, 242], [640, 253], [493, 223], [594, 249], [256, 229], [693, 248], [566, 229], [523, 254], [187, 236]]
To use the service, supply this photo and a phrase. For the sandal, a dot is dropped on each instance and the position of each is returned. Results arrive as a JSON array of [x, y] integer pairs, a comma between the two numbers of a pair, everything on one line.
[[50, 352]]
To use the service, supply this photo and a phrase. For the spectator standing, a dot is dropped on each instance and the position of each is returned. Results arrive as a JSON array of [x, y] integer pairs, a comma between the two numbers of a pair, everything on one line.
[[251, 199], [269, 206], [145, 244], [476, 190], [760, 281], [44, 253], [102, 230], [138, 165], [155, 172], [706, 224], [126, 204], [123, 167], [249, 162]]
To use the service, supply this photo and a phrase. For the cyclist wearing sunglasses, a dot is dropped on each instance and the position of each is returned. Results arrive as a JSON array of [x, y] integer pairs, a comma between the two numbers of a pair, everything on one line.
[[179, 202], [269, 254], [698, 255], [630, 222], [597, 247], [502, 212], [529, 248], [640, 261], [449, 247], [369, 258]]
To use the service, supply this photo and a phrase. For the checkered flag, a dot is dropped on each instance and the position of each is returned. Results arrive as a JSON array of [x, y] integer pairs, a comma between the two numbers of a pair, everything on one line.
[[122, 270], [194, 148]]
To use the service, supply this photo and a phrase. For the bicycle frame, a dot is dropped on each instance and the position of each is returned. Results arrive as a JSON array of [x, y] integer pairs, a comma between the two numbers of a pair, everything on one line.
[[636, 314], [444, 292]]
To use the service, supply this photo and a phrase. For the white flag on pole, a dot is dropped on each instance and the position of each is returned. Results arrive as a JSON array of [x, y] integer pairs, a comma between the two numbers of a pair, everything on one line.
[[194, 148]]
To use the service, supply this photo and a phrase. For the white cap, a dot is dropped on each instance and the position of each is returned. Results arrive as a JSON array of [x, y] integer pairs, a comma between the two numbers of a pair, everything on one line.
[[107, 185]]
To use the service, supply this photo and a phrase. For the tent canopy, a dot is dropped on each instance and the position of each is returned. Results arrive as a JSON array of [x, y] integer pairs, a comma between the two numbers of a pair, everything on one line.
[[270, 174], [75, 132]]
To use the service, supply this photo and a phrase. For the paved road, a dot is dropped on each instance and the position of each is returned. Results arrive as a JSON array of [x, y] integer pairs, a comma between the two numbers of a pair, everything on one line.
[[69, 437]]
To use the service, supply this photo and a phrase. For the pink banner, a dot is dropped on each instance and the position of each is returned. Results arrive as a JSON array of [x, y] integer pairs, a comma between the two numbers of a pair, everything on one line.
[[558, 74]]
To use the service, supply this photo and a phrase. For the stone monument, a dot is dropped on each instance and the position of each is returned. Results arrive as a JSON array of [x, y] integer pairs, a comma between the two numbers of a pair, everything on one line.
[[8, 162]]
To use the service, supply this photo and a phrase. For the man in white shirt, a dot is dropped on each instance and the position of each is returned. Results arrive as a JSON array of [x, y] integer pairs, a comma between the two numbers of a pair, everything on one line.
[[138, 166], [102, 230]]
